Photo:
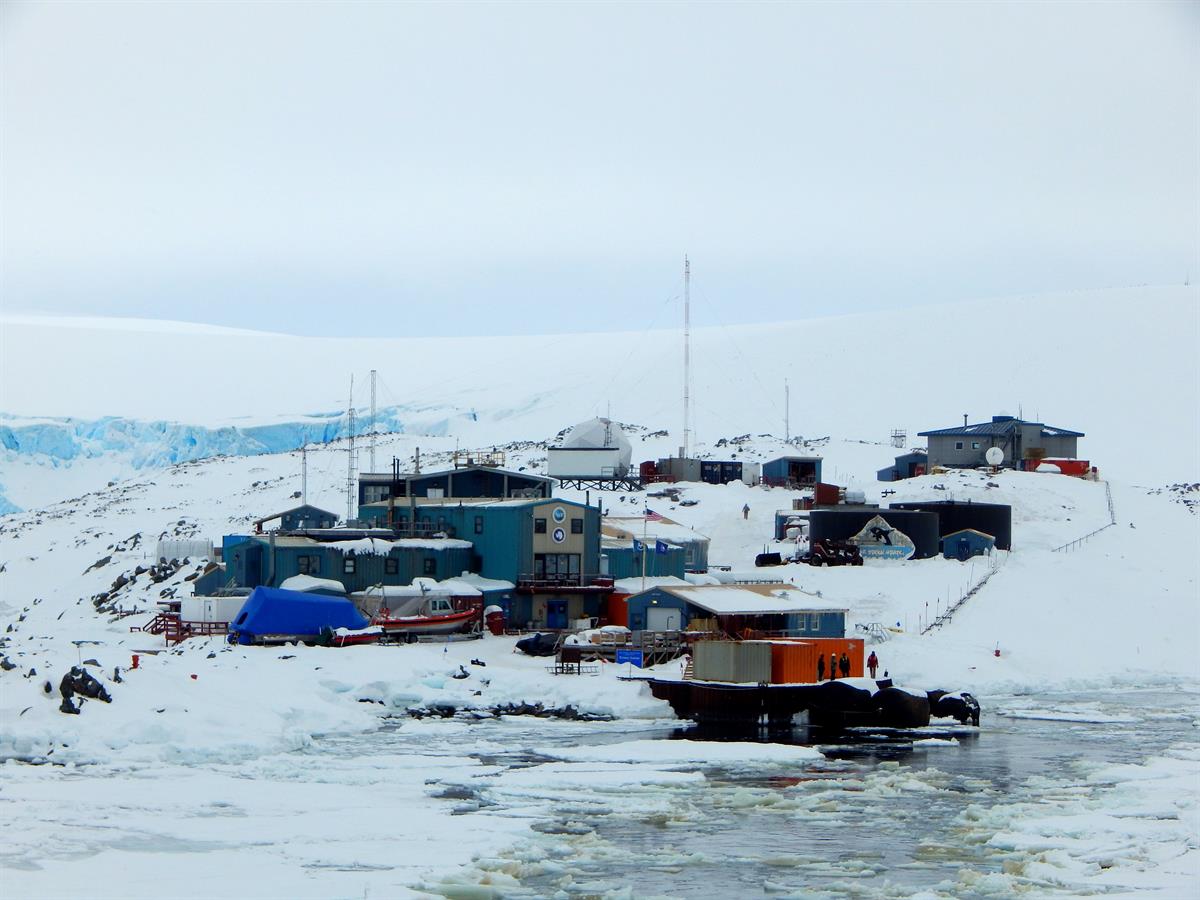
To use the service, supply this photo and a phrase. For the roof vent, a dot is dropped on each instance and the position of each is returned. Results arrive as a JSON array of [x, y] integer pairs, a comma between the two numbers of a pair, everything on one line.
[[1003, 418]]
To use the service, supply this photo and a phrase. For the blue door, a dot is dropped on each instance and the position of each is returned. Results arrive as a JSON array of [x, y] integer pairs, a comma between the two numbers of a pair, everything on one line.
[[556, 613]]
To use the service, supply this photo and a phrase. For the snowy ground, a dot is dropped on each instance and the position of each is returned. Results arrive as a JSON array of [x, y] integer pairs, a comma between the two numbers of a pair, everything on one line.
[[267, 769]]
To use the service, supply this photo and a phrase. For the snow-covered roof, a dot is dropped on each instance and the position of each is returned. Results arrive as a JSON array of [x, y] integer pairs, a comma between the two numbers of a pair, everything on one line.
[[380, 547], [635, 585], [735, 600], [664, 529], [484, 584], [311, 583], [999, 427]]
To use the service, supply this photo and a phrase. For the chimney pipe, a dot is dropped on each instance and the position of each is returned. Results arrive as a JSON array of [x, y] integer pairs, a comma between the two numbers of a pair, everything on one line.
[[964, 420]]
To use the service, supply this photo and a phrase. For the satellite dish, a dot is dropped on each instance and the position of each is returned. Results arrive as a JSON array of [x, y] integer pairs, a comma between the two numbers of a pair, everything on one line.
[[994, 456]]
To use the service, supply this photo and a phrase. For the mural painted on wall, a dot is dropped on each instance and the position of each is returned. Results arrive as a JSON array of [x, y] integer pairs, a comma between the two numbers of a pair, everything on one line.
[[879, 540]]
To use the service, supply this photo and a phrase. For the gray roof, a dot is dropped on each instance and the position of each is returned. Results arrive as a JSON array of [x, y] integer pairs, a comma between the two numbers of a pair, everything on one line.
[[999, 429]]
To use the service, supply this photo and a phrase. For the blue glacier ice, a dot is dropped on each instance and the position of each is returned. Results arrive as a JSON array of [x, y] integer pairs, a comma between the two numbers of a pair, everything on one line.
[[152, 444]]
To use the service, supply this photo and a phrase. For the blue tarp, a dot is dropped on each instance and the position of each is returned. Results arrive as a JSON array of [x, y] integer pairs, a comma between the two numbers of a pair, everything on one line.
[[271, 611]]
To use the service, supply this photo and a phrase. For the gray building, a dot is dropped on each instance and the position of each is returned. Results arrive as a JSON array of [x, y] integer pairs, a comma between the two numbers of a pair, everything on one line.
[[965, 446]]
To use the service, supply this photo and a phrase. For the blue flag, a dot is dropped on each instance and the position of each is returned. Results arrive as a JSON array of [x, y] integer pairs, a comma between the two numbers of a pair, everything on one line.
[[638, 546], [660, 546]]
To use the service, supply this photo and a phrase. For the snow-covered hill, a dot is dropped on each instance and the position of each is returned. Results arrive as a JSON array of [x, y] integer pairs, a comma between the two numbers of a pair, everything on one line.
[[1119, 365]]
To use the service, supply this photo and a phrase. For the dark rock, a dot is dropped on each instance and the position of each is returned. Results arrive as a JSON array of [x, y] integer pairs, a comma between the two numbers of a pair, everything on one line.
[[6, 665], [103, 561]]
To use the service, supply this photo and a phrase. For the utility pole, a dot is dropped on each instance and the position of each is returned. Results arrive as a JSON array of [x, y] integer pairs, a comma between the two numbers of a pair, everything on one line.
[[372, 444], [687, 354], [350, 456], [304, 475]]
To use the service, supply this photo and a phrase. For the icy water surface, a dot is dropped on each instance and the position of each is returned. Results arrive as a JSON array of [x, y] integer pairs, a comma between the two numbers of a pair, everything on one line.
[[1029, 805], [884, 814]]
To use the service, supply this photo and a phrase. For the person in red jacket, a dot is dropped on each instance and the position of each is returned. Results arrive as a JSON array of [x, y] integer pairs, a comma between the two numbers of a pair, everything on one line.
[[872, 663]]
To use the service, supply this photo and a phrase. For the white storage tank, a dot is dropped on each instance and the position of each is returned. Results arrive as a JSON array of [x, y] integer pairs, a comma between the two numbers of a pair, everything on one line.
[[596, 448]]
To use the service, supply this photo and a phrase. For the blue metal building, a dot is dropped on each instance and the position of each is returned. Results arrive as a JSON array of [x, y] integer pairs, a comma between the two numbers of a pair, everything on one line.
[[464, 483], [777, 608], [792, 471], [907, 465], [299, 517], [968, 542], [624, 561], [357, 564]]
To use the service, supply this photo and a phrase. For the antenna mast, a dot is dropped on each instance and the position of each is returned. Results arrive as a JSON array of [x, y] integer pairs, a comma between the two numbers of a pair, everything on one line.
[[687, 353], [350, 456], [304, 475], [787, 410], [372, 444]]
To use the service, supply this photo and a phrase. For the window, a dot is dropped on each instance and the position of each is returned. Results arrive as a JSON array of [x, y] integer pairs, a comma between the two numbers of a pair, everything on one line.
[[958, 445], [391, 566], [800, 621], [577, 526], [373, 493], [539, 526], [814, 621], [430, 566], [974, 445], [479, 524], [308, 565], [348, 564], [690, 556]]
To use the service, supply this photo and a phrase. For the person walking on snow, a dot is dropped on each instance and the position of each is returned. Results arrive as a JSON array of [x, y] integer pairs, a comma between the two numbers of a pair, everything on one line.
[[872, 663], [746, 511], [844, 665], [820, 667]]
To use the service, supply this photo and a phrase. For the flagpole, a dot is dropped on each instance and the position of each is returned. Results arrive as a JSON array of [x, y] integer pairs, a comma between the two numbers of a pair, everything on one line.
[[645, 515]]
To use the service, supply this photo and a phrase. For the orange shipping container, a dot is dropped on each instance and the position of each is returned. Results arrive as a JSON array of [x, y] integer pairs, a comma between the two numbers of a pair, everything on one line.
[[618, 609], [852, 647], [793, 662]]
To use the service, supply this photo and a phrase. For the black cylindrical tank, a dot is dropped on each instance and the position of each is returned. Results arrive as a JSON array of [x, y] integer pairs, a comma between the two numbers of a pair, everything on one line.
[[990, 518], [842, 524]]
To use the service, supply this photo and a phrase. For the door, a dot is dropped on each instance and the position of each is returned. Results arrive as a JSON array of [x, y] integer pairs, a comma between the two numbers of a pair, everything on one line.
[[662, 619], [556, 613]]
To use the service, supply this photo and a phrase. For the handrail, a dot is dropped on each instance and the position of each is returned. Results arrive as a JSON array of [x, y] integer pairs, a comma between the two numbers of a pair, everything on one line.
[[1112, 520]]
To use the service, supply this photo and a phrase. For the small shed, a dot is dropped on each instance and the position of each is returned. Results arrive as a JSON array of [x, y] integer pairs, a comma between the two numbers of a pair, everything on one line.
[[907, 465], [968, 542]]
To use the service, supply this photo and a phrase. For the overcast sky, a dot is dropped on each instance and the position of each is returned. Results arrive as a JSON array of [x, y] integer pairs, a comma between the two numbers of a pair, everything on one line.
[[505, 168]]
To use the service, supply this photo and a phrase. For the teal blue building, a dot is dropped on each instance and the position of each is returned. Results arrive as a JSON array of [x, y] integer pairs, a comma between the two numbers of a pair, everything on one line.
[[624, 560], [773, 608], [269, 560]]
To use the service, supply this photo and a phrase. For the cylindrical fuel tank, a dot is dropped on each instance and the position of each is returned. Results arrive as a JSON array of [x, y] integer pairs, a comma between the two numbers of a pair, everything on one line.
[[990, 518], [842, 524]]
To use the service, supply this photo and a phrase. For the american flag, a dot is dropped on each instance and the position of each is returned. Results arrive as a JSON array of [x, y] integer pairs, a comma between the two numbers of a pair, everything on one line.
[[652, 516]]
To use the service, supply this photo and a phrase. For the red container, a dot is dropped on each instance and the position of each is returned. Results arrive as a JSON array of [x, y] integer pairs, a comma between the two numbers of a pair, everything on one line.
[[495, 622], [648, 470], [826, 494], [1076, 467]]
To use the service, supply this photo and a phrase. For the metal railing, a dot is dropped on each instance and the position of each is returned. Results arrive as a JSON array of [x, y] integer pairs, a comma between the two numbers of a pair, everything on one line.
[[1080, 541], [944, 618]]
